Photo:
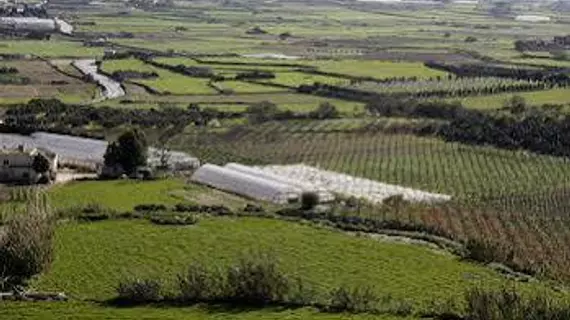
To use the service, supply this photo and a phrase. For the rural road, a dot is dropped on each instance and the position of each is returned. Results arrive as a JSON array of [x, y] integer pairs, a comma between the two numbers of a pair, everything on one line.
[[112, 89]]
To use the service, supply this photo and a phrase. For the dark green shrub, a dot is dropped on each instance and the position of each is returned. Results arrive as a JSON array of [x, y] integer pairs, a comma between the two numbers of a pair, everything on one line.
[[253, 208], [302, 293], [175, 220], [139, 291], [355, 300], [309, 200], [187, 207], [96, 216], [256, 279], [150, 207], [198, 283], [508, 304]]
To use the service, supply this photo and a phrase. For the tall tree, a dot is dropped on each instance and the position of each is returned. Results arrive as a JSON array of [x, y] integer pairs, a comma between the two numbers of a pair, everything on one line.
[[130, 151]]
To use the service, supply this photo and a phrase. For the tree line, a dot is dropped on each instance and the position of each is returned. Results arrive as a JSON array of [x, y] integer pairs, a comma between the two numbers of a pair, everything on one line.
[[559, 78], [543, 130]]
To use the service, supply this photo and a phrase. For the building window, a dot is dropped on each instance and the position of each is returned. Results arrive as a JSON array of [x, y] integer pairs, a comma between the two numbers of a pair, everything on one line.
[[25, 175], [6, 162]]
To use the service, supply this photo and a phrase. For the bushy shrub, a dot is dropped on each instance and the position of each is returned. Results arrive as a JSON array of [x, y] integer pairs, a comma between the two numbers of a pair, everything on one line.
[[139, 291], [302, 293], [174, 219], [150, 207], [309, 200], [257, 279], [357, 299], [95, 216], [198, 283], [187, 207], [26, 248], [508, 304]]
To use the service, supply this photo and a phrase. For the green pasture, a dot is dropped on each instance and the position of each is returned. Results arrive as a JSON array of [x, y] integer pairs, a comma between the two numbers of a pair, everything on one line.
[[553, 96], [48, 48], [91, 258], [71, 310], [167, 81], [377, 68]]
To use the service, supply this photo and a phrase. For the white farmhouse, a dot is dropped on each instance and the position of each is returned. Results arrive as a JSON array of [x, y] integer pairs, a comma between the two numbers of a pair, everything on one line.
[[17, 165]]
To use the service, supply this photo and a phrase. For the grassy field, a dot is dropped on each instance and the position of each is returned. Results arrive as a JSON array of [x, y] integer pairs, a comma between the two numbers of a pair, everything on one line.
[[54, 48], [554, 96], [377, 69], [91, 258], [124, 195], [167, 81], [72, 310]]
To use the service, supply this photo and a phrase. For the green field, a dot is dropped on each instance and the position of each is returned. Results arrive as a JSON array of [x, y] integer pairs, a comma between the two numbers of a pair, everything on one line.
[[124, 195], [72, 310], [167, 81], [377, 69], [554, 96], [59, 48]]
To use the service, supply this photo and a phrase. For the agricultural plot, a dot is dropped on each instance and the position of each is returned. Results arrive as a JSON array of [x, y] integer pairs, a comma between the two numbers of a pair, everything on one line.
[[559, 96], [91, 258], [245, 87], [464, 172], [167, 81], [42, 81], [295, 79], [377, 69], [60, 48]]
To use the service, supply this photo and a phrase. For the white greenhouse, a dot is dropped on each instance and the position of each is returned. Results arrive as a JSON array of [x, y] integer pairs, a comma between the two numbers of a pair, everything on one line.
[[245, 184], [30, 24], [298, 184]]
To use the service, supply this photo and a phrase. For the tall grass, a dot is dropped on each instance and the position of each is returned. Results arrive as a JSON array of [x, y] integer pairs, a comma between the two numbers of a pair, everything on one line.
[[26, 247]]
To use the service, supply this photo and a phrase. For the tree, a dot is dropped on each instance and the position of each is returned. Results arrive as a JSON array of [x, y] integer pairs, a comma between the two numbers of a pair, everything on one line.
[[516, 104], [261, 112], [41, 164], [129, 151], [326, 110]]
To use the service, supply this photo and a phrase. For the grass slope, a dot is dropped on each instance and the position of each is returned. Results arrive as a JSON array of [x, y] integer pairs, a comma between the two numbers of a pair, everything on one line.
[[123, 195], [92, 257], [77, 310]]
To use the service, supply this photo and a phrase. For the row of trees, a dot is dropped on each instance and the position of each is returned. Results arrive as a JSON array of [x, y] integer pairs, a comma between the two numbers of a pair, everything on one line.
[[557, 43], [55, 116], [502, 71], [516, 126]]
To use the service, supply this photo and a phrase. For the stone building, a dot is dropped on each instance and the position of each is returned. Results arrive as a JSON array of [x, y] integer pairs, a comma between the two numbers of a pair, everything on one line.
[[17, 165]]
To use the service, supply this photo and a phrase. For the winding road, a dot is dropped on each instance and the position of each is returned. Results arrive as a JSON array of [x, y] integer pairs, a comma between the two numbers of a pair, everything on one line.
[[112, 89]]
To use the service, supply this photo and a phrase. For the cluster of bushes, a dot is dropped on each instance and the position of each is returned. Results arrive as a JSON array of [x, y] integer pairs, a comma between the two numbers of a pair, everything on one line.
[[8, 70], [508, 304], [517, 126], [267, 111], [157, 214], [559, 78], [557, 43], [126, 75], [532, 129], [192, 71], [255, 280], [255, 75], [442, 110]]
